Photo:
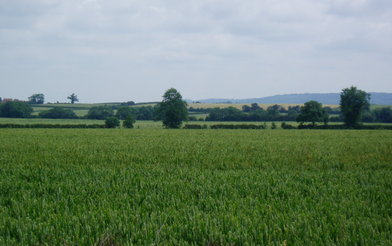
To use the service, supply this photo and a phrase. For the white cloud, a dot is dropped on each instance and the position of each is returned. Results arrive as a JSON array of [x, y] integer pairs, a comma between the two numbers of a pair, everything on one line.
[[217, 48]]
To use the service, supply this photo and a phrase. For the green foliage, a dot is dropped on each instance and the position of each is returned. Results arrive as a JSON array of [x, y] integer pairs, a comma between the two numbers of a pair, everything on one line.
[[287, 126], [146, 113], [123, 112], [313, 111], [100, 112], [129, 121], [383, 115], [238, 126], [12, 125], [273, 125], [200, 187], [352, 103], [255, 113], [15, 109], [112, 122], [58, 113], [192, 118], [73, 98], [37, 99], [172, 110]]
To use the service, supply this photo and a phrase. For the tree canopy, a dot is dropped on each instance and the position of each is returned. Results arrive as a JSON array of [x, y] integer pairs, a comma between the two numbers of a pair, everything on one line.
[[73, 98], [129, 121], [15, 109], [58, 113], [313, 111], [100, 113], [352, 103], [172, 110], [38, 98]]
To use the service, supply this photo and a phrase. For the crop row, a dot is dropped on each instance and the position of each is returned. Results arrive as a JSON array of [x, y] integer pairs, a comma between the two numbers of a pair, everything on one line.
[[195, 187]]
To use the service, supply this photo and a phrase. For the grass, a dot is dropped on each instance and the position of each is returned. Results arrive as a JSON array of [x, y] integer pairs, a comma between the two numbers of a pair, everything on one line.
[[195, 187]]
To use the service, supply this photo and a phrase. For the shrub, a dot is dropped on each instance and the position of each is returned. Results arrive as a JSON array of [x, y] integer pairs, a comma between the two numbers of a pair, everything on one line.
[[112, 122], [128, 122]]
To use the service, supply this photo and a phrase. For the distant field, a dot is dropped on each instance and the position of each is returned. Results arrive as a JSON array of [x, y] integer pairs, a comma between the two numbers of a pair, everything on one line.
[[195, 187], [239, 105]]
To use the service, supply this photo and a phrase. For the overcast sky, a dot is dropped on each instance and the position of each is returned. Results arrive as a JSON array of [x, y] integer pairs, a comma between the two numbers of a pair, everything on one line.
[[122, 50]]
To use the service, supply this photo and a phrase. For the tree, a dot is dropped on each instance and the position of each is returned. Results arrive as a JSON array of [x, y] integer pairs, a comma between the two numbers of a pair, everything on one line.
[[352, 103], [313, 111], [123, 112], [73, 98], [15, 109], [129, 121], [172, 110], [112, 122], [254, 106], [58, 113], [1, 100], [37, 99], [246, 108], [100, 113], [146, 113]]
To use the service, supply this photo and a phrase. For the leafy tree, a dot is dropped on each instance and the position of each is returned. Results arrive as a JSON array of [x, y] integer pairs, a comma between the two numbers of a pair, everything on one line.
[[313, 111], [292, 114], [246, 108], [37, 99], [172, 110], [123, 112], [15, 109], [58, 113], [352, 103], [254, 106], [100, 113], [129, 121], [1, 100], [146, 113], [112, 122], [383, 115], [73, 98]]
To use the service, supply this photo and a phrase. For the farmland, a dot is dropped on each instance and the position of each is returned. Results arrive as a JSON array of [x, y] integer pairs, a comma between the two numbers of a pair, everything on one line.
[[195, 187]]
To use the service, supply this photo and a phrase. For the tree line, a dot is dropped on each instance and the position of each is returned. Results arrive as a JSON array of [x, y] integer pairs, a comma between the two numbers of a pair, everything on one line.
[[354, 108]]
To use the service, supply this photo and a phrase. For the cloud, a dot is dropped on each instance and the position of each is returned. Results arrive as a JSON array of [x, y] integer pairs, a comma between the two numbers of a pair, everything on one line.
[[272, 47]]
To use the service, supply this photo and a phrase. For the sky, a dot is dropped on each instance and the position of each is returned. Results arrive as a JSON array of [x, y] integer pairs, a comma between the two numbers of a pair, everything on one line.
[[127, 50]]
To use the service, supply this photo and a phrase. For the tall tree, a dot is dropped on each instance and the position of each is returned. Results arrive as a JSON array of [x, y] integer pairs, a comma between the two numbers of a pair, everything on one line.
[[313, 111], [172, 110], [38, 98], [352, 103], [73, 98]]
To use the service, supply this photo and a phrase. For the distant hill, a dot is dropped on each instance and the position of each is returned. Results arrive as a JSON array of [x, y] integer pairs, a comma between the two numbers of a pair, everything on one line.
[[324, 98]]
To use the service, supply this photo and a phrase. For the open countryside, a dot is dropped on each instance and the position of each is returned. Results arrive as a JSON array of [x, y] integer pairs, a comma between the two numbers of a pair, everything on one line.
[[211, 181]]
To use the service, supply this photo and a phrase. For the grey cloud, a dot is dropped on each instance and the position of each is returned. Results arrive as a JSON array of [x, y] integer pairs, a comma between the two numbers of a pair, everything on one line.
[[244, 44]]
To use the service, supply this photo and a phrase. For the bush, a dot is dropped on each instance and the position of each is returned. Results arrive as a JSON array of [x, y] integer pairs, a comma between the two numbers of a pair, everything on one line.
[[128, 122], [192, 126], [112, 122], [240, 126], [287, 126], [58, 113]]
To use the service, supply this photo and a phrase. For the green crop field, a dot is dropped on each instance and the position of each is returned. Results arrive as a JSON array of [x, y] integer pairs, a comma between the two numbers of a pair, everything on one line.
[[195, 187]]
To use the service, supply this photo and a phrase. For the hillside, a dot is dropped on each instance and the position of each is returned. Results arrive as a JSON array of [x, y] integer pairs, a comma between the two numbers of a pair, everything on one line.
[[324, 98]]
